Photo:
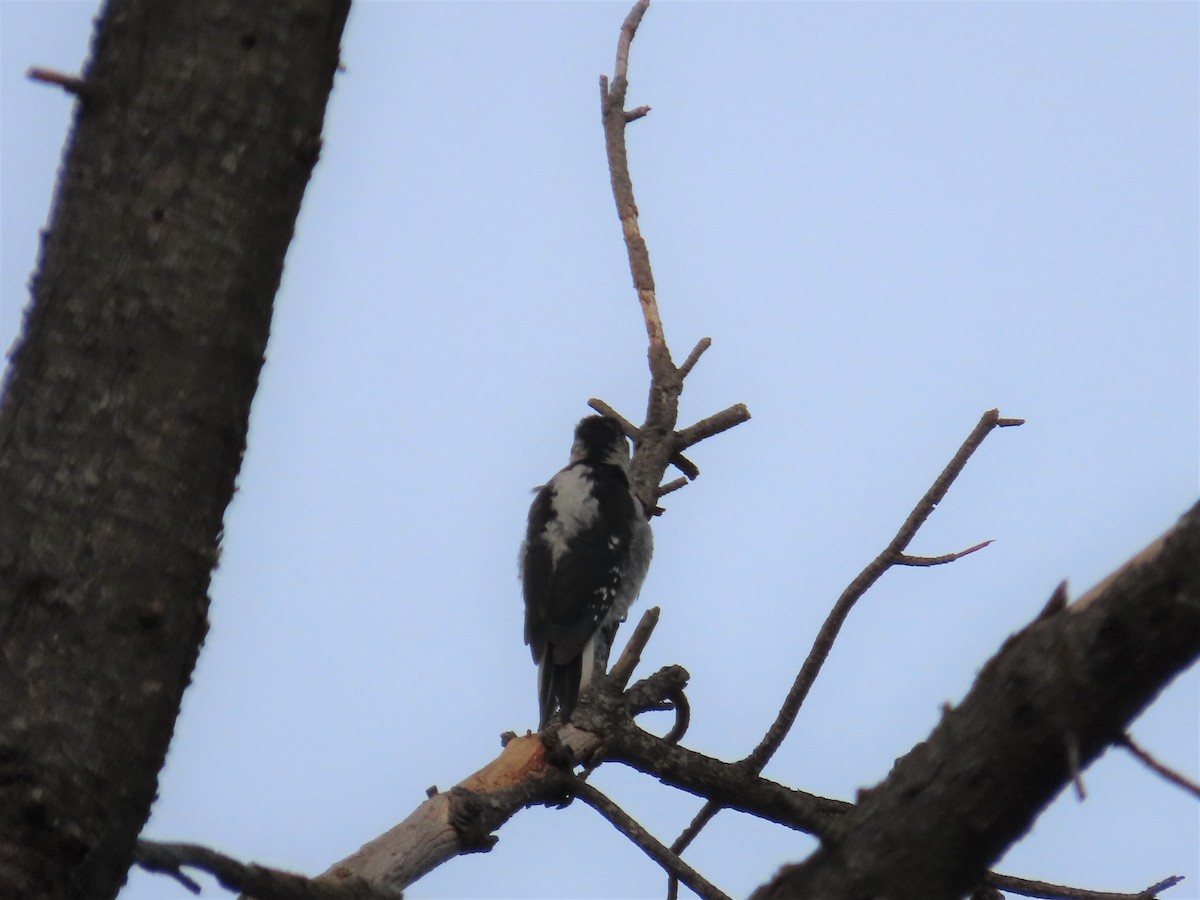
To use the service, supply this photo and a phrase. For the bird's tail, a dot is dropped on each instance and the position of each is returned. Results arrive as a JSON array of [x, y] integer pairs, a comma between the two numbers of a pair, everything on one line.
[[558, 687]]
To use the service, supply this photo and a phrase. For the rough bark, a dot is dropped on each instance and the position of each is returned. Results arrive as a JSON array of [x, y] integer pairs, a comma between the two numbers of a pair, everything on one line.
[[1053, 699], [125, 411]]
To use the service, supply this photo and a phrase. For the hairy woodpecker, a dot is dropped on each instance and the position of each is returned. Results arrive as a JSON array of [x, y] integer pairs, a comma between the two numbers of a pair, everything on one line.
[[586, 551]]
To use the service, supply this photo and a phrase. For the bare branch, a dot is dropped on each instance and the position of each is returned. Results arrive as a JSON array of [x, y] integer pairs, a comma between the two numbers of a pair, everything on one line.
[[859, 586], [652, 691], [905, 560], [732, 785], [631, 431], [918, 832], [628, 29], [689, 834], [72, 84], [1029, 888], [672, 486], [694, 357], [1169, 882], [247, 878], [1176, 778], [713, 425], [461, 820], [615, 120], [632, 654], [650, 845], [683, 717], [657, 444], [536, 769], [686, 466], [841, 609]]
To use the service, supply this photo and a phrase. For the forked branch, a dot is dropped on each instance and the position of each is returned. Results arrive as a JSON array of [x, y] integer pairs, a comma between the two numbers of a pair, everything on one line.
[[1018, 736], [891, 555], [657, 442], [1027, 887], [251, 879]]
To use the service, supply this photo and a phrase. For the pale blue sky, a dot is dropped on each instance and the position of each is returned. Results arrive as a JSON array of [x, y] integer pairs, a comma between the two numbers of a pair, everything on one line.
[[889, 217]]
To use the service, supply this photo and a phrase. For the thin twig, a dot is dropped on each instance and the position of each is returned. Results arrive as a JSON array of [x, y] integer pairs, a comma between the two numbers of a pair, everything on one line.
[[247, 878], [905, 560], [1168, 882], [672, 486], [683, 717], [1177, 779], [686, 466], [620, 673], [179, 875], [650, 845], [72, 84], [1076, 769], [689, 834], [631, 431], [1029, 888], [694, 357]]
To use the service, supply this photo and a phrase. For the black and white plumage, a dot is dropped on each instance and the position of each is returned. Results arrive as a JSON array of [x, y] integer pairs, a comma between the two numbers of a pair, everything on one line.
[[586, 551]]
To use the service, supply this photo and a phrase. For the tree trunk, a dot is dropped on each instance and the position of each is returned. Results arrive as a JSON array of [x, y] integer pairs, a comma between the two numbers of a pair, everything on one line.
[[125, 411]]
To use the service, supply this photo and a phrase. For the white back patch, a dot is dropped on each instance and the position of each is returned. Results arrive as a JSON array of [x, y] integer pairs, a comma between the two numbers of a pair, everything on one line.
[[575, 509]]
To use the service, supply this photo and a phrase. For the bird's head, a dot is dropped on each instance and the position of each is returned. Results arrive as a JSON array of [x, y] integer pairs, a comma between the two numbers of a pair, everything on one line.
[[599, 440]]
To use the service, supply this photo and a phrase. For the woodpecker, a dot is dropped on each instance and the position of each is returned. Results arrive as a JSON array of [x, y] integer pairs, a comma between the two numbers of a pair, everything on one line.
[[586, 551]]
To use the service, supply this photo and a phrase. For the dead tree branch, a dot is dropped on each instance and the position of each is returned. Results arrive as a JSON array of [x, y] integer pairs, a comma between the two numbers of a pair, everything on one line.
[[863, 582], [625, 824], [1154, 601], [632, 654], [892, 554], [1028, 888], [247, 878], [536, 770], [1003, 748], [1177, 779], [678, 460], [613, 111], [72, 84], [905, 560], [731, 785], [657, 444]]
